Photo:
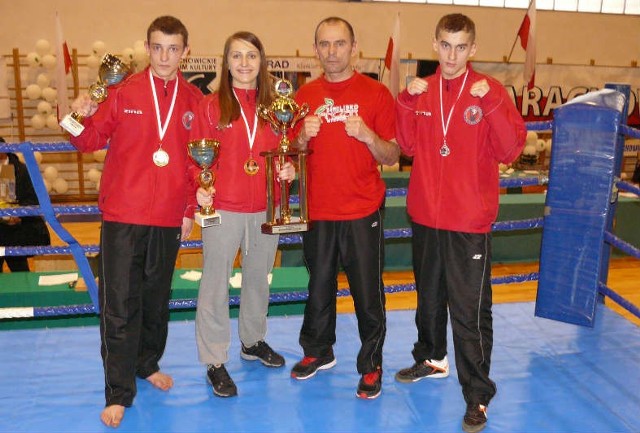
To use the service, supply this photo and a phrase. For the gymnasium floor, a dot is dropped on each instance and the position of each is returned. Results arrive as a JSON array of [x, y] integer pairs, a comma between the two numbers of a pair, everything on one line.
[[551, 377]]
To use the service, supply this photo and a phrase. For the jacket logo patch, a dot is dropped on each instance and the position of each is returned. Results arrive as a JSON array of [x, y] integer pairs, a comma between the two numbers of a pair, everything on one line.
[[132, 111], [473, 115], [477, 256], [187, 119], [423, 113]]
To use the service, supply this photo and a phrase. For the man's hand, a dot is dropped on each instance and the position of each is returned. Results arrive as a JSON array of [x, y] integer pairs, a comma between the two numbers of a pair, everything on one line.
[[310, 129], [417, 86], [84, 105], [480, 88], [187, 226], [355, 127]]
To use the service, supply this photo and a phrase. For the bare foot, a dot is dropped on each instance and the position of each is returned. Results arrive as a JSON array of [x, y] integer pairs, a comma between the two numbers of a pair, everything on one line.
[[160, 380], [112, 415]]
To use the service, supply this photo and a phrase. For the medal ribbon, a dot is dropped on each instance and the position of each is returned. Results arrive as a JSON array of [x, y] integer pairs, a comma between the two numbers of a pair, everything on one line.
[[251, 136], [162, 129], [445, 128]]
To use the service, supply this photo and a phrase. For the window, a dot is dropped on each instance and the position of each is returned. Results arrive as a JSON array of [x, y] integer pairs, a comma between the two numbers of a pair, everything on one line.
[[622, 7]]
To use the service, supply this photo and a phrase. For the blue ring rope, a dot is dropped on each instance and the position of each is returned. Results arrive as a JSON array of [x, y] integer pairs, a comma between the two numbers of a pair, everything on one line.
[[78, 251]]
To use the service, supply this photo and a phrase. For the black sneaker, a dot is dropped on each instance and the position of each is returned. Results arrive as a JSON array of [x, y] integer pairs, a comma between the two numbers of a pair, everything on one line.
[[475, 418], [309, 366], [222, 383], [264, 353], [420, 370], [370, 385]]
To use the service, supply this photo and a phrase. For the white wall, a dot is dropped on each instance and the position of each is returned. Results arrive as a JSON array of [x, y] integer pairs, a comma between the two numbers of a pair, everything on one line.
[[286, 27]]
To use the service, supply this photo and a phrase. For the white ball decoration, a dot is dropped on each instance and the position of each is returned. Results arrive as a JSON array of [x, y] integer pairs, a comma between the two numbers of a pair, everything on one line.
[[49, 61], [93, 61], [34, 59], [52, 122], [47, 185], [43, 80], [98, 48], [540, 145], [33, 91], [502, 167], [44, 108], [532, 137], [99, 155], [140, 54], [60, 185], [49, 94], [38, 156], [43, 47], [127, 55], [94, 175], [38, 121], [50, 173], [530, 149]]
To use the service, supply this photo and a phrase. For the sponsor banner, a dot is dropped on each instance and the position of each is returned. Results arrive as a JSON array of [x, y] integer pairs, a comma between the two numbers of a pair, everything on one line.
[[558, 84], [202, 71], [554, 86]]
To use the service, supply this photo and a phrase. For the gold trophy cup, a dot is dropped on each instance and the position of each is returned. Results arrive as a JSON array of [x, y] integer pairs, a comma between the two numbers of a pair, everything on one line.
[[204, 152], [112, 71], [283, 114]]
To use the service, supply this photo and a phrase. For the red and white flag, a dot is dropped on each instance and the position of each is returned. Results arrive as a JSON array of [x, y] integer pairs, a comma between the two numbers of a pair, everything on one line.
[[527, 34], [392, 58], [63, 67]]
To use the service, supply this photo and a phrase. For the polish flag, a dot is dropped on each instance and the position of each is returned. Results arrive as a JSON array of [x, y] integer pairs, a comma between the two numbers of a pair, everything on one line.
[[527, 34], [63, 67], [392, 58]]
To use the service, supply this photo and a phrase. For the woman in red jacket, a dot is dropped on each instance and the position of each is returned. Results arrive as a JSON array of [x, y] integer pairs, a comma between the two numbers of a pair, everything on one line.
[[230, 116]]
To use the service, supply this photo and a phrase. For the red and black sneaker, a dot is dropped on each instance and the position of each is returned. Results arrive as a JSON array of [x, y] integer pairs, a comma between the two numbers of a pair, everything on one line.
[[475, 418], [309, 366], [370, 385]]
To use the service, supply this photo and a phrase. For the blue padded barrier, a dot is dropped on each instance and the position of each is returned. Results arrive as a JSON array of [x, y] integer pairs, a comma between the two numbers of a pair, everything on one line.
[[577, 205]]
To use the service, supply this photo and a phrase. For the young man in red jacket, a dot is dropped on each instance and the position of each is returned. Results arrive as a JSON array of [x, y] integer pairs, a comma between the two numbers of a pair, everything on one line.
[[147, 199], [457, 125]]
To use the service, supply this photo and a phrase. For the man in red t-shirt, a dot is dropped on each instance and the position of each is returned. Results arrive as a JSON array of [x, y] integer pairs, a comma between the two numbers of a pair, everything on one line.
[[350, 131]]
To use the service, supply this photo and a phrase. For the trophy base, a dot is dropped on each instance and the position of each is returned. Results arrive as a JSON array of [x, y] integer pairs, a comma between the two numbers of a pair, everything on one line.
[[293, 227], [71, 125], [208, 220]]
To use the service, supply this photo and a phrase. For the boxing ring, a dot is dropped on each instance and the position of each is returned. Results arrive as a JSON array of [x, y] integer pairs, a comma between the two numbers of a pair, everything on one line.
[[607, 212], [574, 260]]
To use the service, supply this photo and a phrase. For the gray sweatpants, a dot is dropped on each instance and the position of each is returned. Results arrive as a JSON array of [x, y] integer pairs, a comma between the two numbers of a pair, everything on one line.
[[220, 246]]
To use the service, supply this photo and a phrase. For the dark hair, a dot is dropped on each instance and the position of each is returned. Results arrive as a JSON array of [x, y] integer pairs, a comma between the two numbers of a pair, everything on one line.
[[335, 20], [229, 106], [169, 26], [454, 23]]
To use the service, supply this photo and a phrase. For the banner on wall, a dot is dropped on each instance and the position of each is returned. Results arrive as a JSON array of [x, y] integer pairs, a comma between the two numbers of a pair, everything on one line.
[[203, 71], [557, 84]]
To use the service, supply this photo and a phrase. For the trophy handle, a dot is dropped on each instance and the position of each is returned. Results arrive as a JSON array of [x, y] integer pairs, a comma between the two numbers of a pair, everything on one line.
[[303, 111]]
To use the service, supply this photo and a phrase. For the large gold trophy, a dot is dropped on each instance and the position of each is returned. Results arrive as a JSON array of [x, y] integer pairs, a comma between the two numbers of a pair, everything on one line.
[[204, 152], [112, 71], [283, 114]]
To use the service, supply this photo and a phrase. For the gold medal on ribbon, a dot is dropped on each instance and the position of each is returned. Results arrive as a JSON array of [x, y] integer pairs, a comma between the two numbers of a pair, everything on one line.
[[251, 166], [160, 158]]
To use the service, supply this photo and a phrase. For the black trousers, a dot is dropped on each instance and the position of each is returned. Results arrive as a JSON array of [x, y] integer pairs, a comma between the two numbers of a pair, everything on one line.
[[358, 245], [15, 263], [136, 268], [453, 271]]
